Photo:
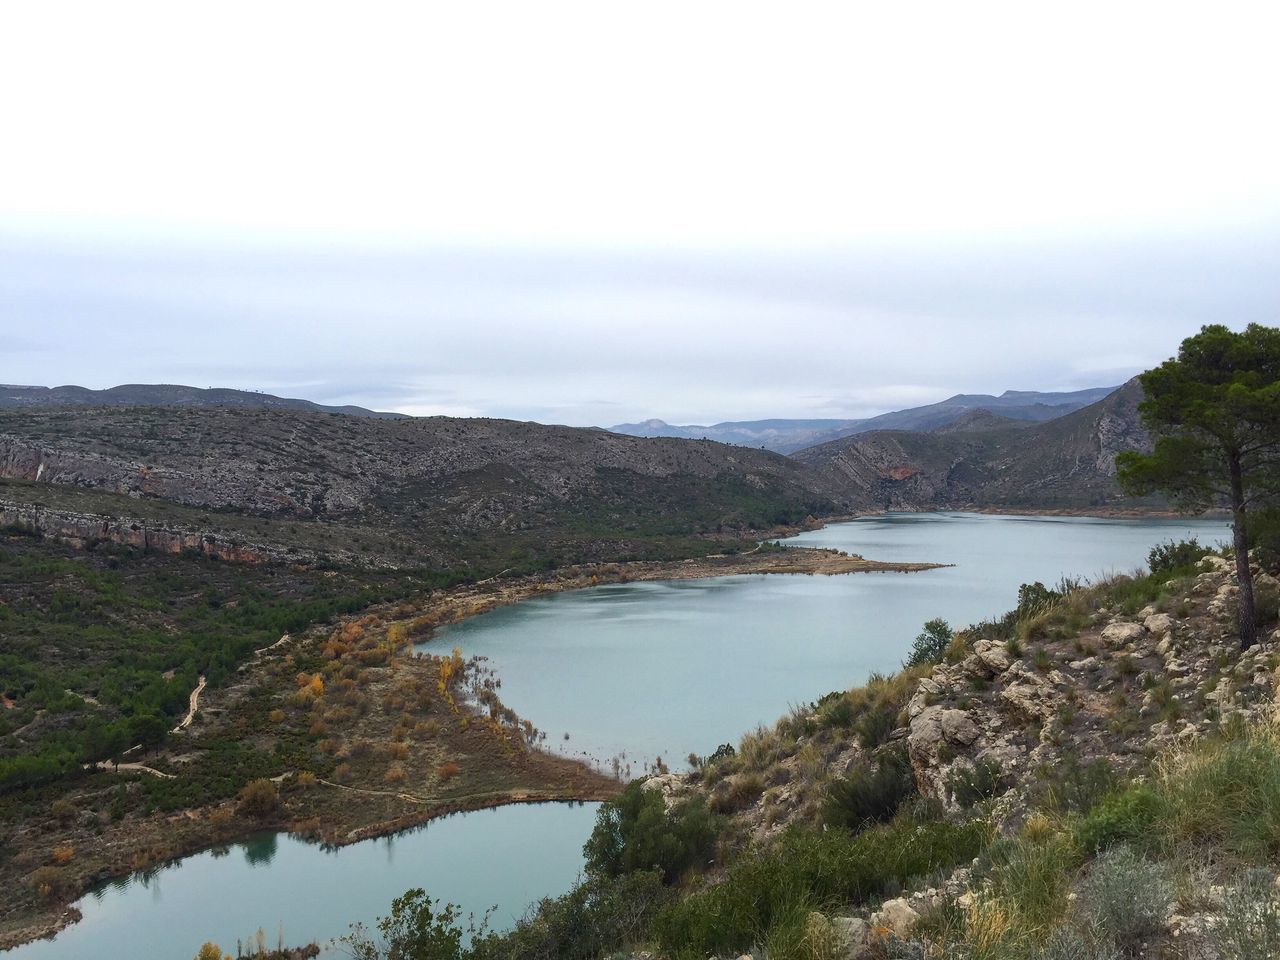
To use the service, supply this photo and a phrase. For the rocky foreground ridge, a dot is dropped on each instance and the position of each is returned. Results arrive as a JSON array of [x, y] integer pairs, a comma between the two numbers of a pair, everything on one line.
[[1083, 701]]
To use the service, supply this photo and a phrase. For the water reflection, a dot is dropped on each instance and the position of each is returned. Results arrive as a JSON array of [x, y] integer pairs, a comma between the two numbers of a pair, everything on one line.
[[261, 850]]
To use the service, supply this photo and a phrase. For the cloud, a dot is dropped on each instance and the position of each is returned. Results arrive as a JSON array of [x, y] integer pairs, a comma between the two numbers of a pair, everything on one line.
[[591, 337]]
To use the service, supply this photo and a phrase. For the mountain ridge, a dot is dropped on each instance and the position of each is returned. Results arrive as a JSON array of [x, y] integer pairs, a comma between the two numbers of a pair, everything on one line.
[[790, 435], [16, 396]]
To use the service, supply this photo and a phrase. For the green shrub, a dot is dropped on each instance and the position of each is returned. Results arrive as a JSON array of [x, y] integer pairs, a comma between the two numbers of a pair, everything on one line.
[[1225, 794], [1175, 556], [599, 915], [835, 711], [931, 644], [418, 927], [869, 793], [1130, 816], [970, 784], [807, 870], [1031, 874], [636, 832]]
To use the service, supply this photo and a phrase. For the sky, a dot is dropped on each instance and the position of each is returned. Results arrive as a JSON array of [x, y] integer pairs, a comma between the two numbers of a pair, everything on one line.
[[593, 213]]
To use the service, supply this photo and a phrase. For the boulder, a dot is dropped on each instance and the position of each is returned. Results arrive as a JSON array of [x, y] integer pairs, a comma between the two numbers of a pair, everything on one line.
[[896, 916], [851, 932], [993, 657], [1122, 633], [1159, 624]]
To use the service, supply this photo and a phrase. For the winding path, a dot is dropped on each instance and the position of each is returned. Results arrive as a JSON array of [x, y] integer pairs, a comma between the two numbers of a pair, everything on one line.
[[193, 702]]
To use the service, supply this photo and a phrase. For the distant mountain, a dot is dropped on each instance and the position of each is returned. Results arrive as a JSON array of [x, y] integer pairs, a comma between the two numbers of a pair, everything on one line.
[[780, 436], [788, 436], [165, 395], [431, 491], [1067, 462]]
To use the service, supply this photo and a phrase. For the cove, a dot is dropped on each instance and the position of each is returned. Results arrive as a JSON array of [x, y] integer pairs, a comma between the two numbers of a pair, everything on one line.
[[665, 669], [508, 857]]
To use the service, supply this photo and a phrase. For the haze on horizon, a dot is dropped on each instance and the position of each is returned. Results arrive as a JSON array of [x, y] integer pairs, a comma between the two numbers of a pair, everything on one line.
[[583, 214]]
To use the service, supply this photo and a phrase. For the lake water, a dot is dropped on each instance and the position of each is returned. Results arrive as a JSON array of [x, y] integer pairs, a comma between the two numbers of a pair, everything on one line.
[[644, 670], [641, 670], [508, 857]]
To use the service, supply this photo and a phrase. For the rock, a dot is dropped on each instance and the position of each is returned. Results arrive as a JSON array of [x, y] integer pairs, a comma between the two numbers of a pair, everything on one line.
[[1164, 646], [896, 916], [993, 656], [1228, 590], [1029, 694], [1218, 564], [958, 727], [1159, 624], [1147, 611], [1122, 632], [851, 932]]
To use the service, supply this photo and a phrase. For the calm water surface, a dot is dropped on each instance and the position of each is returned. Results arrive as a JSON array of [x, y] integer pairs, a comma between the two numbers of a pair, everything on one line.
[[665, 669], [508, 857], [643, 669]]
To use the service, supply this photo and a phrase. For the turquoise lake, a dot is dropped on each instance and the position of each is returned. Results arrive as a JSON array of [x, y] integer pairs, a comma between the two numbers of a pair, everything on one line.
[[637, 670]]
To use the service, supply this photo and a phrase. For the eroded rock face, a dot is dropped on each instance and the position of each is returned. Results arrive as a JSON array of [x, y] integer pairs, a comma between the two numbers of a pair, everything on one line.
[[83, 529]]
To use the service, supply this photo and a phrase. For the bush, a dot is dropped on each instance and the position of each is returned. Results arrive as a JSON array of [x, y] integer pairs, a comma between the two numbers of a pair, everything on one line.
[[258, 798], [807, 870], [1175, 556], [931, 644], [1227, 794], [1250, 924], [418, 927], [599, 915], [870, 793], [1129, 817], [1126, 898], [635, 832], [979, 781]]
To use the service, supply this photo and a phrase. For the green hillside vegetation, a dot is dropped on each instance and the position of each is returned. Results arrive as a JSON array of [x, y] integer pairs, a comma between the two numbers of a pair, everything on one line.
[[102, 647]]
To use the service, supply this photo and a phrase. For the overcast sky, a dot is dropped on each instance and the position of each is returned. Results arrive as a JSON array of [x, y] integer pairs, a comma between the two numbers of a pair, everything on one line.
[[591, 213]]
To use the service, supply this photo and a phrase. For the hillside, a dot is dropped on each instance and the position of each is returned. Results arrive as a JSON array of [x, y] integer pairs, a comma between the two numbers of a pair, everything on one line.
[[1068, 462], [438, 492], [163, 395], [788, 436]]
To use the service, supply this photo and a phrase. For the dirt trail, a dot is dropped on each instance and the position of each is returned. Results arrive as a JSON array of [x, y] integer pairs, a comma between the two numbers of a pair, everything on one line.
[[261, 650], [193, 702], [125, 767]]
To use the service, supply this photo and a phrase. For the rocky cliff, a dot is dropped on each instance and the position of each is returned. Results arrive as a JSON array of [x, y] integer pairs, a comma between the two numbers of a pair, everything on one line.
[[1068, 462]]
